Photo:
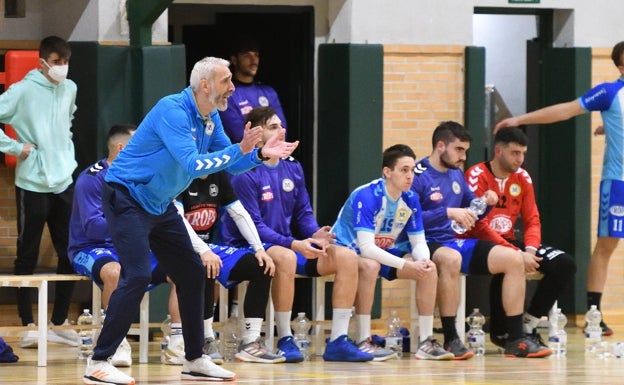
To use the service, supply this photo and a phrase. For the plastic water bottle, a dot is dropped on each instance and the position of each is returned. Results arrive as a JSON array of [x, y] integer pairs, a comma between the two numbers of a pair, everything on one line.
[[165, 327], [593, 332], [85, 349], [230, 338], [301, 326], [477, 206], [476, 336], [394, 338], [558, 338]]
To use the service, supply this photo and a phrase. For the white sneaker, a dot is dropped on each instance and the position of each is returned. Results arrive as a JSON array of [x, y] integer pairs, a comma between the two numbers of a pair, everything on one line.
[[174, 354], [203, 369], [123, 355], [29, 338], [64, 336], [102, 372]]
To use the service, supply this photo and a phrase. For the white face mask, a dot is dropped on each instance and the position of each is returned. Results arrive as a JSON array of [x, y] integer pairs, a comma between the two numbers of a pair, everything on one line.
[[58, 72]]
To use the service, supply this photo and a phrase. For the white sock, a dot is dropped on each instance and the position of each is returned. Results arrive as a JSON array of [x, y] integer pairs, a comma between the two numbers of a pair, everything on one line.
[[234, 309], [530, 322], [340, 323], [282, 322], [364, 326], [425, 326], [176, 334], [251, 329], [208, 331]]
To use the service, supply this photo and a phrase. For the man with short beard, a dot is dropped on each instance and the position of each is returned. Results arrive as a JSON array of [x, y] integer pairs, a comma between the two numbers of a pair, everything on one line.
[[445, 197], [180, 139], [516, 198], [250, 93]]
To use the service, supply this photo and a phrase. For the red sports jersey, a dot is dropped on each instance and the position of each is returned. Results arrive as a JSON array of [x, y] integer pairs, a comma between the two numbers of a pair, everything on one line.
[[515, 197]]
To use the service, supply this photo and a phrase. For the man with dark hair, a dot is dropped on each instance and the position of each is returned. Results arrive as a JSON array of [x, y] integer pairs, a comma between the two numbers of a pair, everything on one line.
[[249, 93], [606, 98], [382, 222], [505, 176], [91, 250], [276, 198], [41, 108], [445, 197]]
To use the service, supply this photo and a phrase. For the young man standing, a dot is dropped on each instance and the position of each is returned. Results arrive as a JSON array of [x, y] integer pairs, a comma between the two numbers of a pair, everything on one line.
[[249, 92], [41, 108]]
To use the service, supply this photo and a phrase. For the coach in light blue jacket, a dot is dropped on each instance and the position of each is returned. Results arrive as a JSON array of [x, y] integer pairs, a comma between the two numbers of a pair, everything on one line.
[[179, 140]]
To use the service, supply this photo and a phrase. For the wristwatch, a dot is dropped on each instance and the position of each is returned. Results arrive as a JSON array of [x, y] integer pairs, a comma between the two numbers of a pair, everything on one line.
[[260, 156]]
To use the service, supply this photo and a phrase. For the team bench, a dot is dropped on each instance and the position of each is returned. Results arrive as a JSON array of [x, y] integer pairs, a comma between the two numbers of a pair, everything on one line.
[[39, 281]]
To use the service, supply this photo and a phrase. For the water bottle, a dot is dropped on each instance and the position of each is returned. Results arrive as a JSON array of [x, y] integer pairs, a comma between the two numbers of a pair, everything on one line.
[[230, 338], [301, 326], [557, 337], [394, 338], [477, 206], [85, 349], [593, 332], [165, 327], [476, 336]]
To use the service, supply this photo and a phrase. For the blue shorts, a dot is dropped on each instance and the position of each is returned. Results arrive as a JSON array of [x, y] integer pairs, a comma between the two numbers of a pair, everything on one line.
[[388, 272], [611, 209], [89, 262], [229, 258], [474, 254], [306, 267]]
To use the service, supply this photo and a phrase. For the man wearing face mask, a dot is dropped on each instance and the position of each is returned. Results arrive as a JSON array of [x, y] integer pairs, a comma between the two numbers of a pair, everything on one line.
[[41, 107]]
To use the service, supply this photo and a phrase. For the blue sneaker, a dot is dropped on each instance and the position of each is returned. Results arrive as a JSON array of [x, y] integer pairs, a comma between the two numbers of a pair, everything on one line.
[[343, 349], [286, 347]]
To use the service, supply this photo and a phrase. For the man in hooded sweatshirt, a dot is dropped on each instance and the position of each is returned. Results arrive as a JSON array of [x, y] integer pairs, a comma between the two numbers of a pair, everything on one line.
[[41, 108]]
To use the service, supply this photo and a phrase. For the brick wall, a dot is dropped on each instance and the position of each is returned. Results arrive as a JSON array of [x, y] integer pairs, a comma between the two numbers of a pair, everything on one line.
[[423, 85], [8, 225]]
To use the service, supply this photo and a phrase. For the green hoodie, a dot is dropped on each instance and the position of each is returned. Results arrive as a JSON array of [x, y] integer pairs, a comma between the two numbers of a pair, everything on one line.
[[41, 113]]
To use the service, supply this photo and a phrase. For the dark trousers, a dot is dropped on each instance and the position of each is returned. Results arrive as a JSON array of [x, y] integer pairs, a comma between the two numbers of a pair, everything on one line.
[[134, 232], [34, 210], [558, 268]]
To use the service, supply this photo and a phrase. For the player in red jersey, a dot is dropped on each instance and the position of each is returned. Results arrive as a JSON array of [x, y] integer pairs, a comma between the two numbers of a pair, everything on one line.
[[516, 198]]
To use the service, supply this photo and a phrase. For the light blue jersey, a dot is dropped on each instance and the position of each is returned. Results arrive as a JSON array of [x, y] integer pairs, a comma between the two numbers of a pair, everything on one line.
[[369, 208], [608, 98]]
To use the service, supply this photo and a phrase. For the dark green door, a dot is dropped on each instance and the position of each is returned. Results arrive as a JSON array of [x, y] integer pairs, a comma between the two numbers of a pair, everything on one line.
[[564, 165]]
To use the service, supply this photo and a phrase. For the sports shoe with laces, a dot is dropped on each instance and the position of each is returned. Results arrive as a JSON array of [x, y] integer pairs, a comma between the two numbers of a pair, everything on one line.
[[537, 338], [29, 338], [498, 339], [286, 347], [103, 372], [174, 354], [255, 351], [430, 349], [123, 355], [203, 369], [210, 349], [342, 349], [459, 350], [64, 336], [379, 353], [526, 347], [606, 331]]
